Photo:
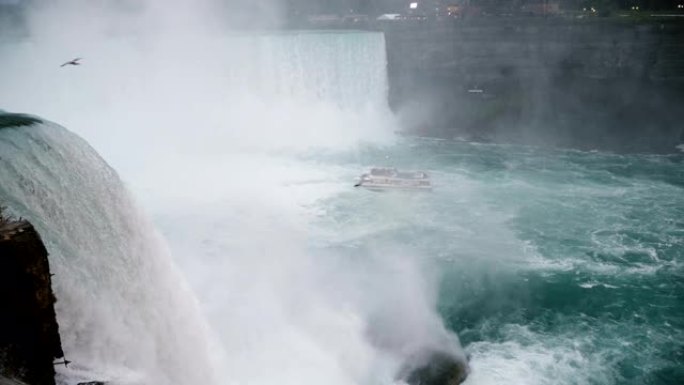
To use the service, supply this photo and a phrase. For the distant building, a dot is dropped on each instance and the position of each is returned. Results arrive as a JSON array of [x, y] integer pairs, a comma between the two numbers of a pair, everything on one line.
[[541, 8], [324, 20], [423, 8], [354, 19], [389, 17], [462, 10]]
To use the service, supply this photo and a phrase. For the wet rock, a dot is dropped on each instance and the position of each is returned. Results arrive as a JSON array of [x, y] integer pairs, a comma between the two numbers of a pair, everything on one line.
[[434, 367], [8, 381], [29, 335]]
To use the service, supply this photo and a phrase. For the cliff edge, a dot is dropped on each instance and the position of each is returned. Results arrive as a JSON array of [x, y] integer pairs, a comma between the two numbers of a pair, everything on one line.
[[29, 335]]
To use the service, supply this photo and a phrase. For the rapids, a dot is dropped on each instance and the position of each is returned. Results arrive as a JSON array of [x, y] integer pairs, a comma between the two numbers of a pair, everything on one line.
[[553, 266]]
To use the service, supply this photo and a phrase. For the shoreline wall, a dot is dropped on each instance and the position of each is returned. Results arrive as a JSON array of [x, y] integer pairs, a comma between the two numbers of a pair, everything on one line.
[[605, 83]]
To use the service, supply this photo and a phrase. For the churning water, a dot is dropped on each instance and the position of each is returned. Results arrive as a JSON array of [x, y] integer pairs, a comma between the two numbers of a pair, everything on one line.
[[553, 267], [556, 267]]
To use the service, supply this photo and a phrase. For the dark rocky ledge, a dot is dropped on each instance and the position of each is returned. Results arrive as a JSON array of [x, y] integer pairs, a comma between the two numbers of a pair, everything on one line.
[[7, 381], [434, 367], [29, 335], [16, 120]]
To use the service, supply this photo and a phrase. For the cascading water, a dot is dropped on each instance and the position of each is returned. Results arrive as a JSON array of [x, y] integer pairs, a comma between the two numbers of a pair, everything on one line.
[[555, 267], [347, 69], [125, 314], [216, 157]]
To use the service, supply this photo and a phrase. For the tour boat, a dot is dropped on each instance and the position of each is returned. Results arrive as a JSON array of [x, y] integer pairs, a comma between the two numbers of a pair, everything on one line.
[[387, 178]]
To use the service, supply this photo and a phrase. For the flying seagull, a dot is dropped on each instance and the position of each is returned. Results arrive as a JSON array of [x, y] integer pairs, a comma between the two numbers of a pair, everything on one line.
[[74, 62]]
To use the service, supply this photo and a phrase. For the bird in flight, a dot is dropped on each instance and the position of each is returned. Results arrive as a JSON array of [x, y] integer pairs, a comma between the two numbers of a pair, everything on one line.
[[74, 62]]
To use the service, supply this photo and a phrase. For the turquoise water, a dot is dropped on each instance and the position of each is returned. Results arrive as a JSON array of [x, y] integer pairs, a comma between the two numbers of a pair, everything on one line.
[[554, 266]]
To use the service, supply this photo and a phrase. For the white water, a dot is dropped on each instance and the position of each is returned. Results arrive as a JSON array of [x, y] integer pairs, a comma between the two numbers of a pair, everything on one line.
[[123, 310], [210, 141]]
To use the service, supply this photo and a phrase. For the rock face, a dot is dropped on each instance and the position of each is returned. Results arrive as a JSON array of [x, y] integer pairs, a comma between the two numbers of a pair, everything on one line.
[[7, 381], [29, 335], [434, 367], [599, 83]]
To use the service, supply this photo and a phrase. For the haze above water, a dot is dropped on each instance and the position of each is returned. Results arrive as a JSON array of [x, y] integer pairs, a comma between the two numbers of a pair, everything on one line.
[[554, 267]]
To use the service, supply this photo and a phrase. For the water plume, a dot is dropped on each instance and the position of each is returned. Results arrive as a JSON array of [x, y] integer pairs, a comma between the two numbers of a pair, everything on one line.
[[212, 131]]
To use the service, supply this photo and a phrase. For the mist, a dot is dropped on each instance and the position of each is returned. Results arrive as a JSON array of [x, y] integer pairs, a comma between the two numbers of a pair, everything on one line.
[[210, 128], [567, 79]]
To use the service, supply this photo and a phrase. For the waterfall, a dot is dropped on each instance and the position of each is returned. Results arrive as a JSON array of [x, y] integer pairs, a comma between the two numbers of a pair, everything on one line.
[[124, 312]]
